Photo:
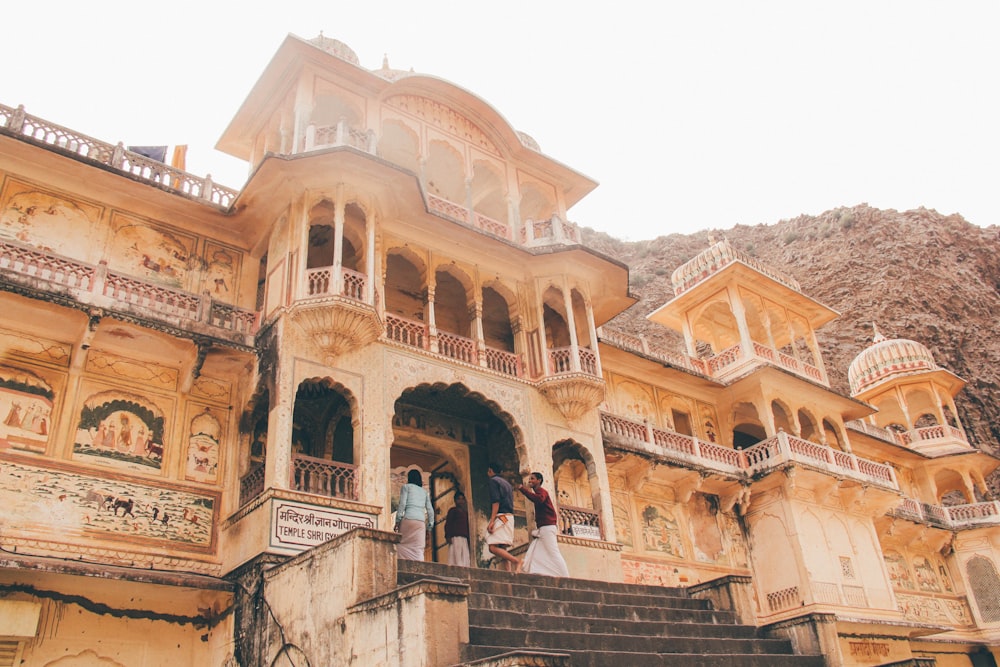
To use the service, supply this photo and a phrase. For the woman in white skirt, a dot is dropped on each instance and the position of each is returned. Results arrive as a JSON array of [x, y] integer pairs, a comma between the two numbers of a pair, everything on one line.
[[414, 517]]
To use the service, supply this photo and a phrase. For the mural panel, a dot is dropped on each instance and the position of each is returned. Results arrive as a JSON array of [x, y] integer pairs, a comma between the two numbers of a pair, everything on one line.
[[899, 571], [120, 430], [660, 531], [26, 402], [204, 443], [63, 505], [156, 255], [47, 221], [705, 534], [222, 272]]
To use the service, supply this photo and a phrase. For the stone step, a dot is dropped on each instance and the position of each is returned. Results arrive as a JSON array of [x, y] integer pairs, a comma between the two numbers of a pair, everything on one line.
[[480, 601], [532, 638], [407, 568], [481, 654], [599, 623], [528, 591]]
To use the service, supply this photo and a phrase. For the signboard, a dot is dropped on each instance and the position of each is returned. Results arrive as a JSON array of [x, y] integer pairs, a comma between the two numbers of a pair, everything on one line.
[[299, 526], [585, 531]]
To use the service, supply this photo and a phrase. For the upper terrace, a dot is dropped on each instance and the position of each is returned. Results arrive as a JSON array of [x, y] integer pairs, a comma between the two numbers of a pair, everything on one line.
[[552, 230]]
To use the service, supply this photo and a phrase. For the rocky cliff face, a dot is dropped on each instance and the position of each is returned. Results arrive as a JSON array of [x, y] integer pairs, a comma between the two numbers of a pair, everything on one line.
[[916, 274]]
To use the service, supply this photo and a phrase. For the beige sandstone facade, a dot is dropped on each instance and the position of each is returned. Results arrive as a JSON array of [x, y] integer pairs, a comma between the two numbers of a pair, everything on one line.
[[202, 390]]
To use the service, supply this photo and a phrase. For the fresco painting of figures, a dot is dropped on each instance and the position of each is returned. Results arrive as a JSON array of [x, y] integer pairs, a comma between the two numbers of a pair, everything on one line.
[[153, 254], [25, 411], [66, 505], [120, 430], [203, 447]]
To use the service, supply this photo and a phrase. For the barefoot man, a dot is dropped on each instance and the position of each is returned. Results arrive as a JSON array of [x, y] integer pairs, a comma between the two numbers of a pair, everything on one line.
[[500, 529]]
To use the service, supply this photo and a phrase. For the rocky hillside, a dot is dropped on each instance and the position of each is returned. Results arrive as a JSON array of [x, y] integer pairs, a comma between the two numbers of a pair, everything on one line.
[[916, 274]]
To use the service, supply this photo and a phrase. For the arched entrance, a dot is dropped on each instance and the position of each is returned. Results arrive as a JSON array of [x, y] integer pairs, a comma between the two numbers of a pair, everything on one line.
[[450, 435]]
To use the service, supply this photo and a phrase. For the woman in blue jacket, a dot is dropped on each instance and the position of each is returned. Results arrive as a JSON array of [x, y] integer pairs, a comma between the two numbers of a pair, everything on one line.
[[414, 518]]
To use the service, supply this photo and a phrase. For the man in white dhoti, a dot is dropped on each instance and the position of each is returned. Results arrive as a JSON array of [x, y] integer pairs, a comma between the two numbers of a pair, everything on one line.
[[543, 555]]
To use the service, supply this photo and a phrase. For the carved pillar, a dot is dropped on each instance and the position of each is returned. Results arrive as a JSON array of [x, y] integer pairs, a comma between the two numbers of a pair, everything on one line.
[[740, 313], [338, 242], [431, 321], [370, 260], [592, 329], [574, 343], [543, 342], [476, 314], [278, 463]]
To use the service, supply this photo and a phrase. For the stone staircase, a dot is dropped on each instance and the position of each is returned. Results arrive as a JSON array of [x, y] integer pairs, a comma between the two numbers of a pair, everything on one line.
[[600, 624]]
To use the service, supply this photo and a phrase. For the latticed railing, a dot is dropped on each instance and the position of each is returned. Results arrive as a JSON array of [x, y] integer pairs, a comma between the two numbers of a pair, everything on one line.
[[456, 347], [502, 361], [785, 598], [341, 134], [561, 360], [90, 282], [354, 284], [154, 297], [570, 516], [406, 331], [46, 266], [320, 282], [495, 227], [20, 124], [448, 208], [252, 483], [323, 478]]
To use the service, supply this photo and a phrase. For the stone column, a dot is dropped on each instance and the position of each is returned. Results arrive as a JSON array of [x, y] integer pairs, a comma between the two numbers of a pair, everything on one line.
[[338, 242]]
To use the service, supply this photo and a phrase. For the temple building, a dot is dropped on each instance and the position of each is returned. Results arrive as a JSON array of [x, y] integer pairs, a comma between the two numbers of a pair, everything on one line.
[[210, 398]]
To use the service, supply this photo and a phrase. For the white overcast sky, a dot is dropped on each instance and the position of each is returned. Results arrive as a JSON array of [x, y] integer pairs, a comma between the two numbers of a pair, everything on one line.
[[691, 115]]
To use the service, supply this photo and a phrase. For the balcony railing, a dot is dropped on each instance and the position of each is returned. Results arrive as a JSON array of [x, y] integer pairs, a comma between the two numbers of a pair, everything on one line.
[[735, 357], [930, 433], [563, 360], [675, 446], [341, 134], [783, 447], [469, 217], [416, 334], [320, 282], [952, 517], [456, 347], [252, 484], [35, 129], [570, 516], [406, 331], [766, 455], [322, 477], [717, 366], [97, 286], [915, 438], [502, 361]]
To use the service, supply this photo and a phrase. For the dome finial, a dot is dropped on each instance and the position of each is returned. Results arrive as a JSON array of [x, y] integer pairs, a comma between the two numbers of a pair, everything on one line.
[[877, 336], [385, 61]]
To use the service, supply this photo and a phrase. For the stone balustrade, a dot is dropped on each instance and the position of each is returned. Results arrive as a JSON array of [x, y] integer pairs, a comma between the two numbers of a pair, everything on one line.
[[761, 457], [718, 366], [24, 126], [952, 517], [96, 285], [912, 438]]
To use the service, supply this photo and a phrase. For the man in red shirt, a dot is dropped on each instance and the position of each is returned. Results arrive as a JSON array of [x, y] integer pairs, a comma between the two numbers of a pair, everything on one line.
[[456, 531], [543, 555]]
